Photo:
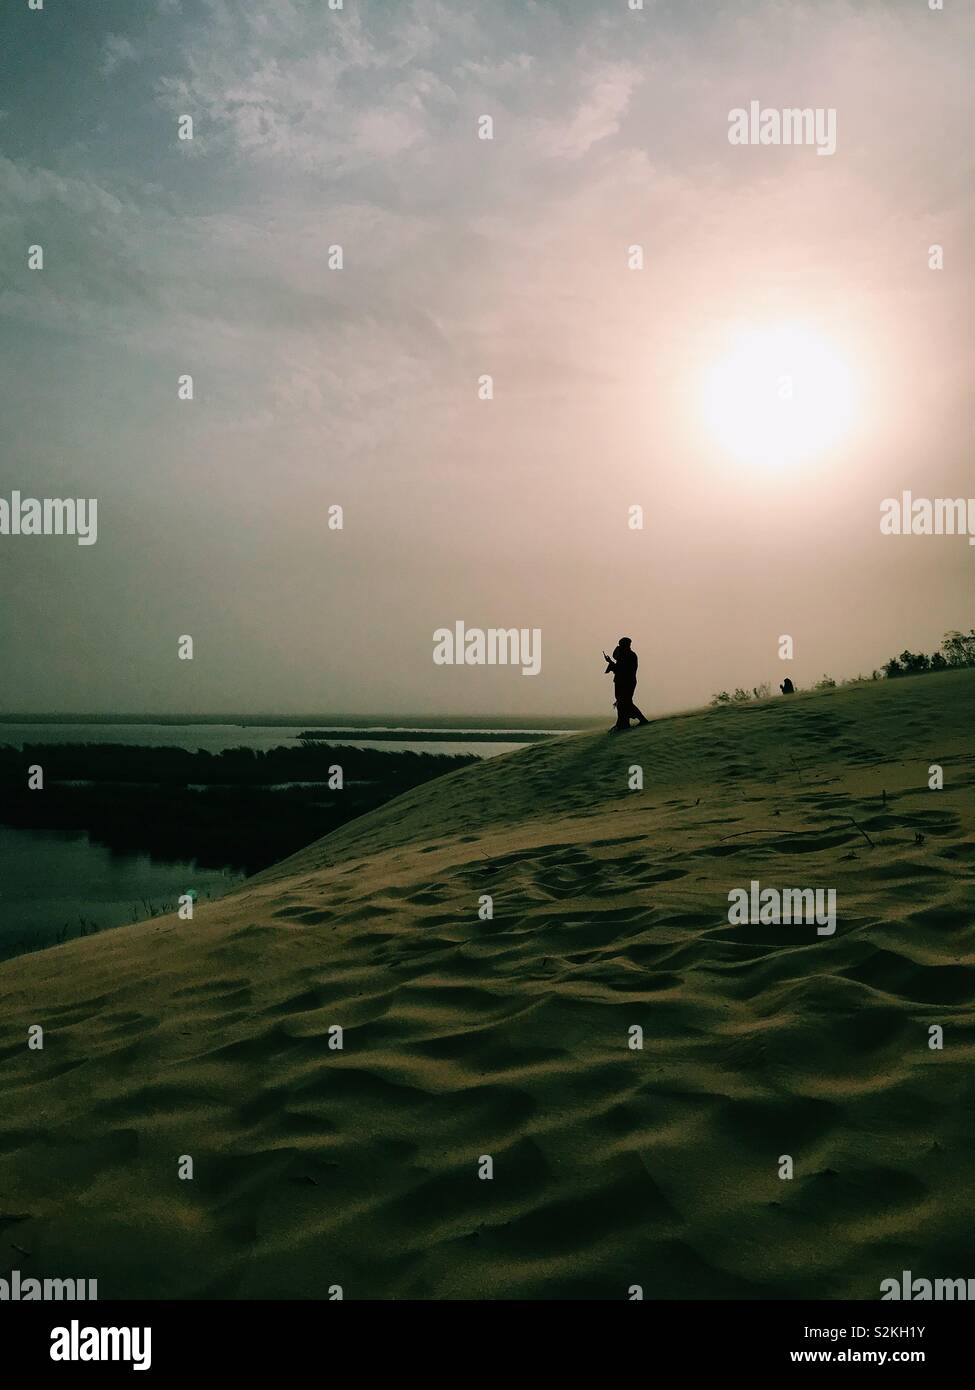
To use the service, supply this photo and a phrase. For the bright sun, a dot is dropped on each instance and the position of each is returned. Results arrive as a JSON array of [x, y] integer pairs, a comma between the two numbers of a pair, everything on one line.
[[782, 395]]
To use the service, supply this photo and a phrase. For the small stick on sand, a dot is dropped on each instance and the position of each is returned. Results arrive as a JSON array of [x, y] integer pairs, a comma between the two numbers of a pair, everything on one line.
[[813, 830], [863, 833], [770, 830]]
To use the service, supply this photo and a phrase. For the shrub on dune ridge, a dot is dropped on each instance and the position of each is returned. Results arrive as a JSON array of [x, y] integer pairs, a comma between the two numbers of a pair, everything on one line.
[[957, 651]]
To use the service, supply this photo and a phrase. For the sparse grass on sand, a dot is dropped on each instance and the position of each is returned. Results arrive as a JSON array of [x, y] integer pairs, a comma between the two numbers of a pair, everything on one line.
[[509, 1036]]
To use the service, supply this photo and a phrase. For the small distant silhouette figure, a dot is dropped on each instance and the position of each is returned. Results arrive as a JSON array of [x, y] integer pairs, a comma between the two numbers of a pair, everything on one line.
[[623, 664], [787, 687]]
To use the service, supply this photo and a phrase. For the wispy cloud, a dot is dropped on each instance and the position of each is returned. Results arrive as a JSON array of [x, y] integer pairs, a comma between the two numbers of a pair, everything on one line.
[[597, 116], [116, 50]]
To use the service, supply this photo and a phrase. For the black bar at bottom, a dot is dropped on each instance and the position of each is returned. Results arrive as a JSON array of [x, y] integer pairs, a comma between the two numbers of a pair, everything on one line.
[[590, 1338]]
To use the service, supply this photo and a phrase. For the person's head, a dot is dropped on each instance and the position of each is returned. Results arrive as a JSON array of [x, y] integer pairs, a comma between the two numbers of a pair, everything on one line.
[[624, 642]]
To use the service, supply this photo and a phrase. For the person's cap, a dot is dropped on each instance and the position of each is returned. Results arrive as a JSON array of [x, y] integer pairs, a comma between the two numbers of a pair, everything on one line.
[[624, 641]]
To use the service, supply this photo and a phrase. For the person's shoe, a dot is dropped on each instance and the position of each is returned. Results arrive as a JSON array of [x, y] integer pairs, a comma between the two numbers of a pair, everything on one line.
[[642, 722]]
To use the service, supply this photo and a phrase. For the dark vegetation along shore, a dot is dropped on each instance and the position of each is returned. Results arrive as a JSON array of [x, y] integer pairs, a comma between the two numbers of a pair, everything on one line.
[[242, 808]]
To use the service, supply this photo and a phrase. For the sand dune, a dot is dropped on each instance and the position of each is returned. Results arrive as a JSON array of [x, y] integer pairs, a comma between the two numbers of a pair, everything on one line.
[[509, 1037]]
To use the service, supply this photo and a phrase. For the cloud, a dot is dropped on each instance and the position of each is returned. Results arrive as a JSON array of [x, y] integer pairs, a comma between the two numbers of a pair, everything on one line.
[[595, 118], [117, 50], [314, 90]]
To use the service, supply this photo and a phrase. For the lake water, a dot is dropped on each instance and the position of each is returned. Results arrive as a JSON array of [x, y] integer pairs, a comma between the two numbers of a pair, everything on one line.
[[54, 882], [55, 885]]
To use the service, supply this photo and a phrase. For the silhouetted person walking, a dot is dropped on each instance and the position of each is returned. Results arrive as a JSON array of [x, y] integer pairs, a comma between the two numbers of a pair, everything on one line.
[[623, 664]]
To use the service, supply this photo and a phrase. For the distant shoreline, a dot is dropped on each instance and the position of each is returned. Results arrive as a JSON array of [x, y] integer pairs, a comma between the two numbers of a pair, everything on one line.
[[379, 723], [383, 735]]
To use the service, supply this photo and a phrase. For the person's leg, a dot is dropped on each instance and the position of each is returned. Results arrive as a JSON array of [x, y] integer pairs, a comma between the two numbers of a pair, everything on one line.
[[624, 707], [638, 714]]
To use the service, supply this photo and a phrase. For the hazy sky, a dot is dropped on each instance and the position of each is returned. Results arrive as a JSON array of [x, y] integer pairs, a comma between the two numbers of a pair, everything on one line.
[[465, 257]]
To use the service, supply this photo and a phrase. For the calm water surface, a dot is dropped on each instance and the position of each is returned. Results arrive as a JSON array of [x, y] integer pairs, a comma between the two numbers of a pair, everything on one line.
[[56, 884]]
